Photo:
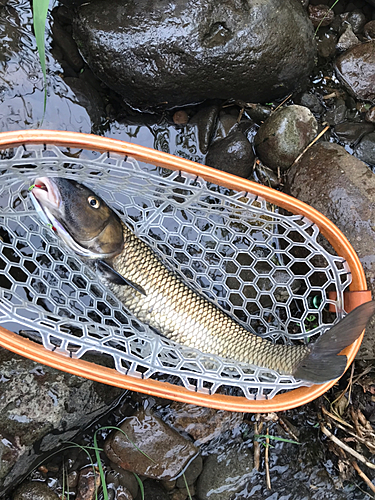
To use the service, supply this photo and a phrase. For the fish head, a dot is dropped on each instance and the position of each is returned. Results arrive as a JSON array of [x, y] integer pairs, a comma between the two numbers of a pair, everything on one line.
[[80, 217]]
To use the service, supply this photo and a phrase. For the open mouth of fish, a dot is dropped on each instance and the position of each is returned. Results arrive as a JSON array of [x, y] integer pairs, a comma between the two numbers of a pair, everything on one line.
[[46, 199]]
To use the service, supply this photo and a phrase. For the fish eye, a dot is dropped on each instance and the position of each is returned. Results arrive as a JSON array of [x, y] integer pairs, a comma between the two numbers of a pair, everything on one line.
[[93, 202]]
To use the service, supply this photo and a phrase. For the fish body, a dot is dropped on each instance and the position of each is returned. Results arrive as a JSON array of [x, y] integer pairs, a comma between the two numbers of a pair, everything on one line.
[[159, 298]]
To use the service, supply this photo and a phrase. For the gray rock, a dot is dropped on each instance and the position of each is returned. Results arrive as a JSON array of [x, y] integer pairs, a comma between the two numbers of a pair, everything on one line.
[[232, 154], [320, 15], [191, 473], [351, 133], [205, 119], [337, 113], [225, 473], [284, 136], [124, 478], [327, 43], [154, 491], [369, 30], [347, 40], [164, 455], [312, 102], [34, 490], [370, 115], [357, 20], [165, 54], [356, 70], [342, 188], [365, 150], [41, 405]]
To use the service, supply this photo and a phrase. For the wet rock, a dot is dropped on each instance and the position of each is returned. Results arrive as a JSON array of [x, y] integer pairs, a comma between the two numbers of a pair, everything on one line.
[[265, 175], [284, 136], [123, 494], [369, 30], [225, 124], [34, 490], [312, 102], [357, 20], [191, 474], [258, 112], [365, 150], [337, 113], [154, 491], [88, 484], [205, 119], [370, 115], [347, 40], [232, 154], [203, 424], [342, 188], [68, 46], [123, 478], [167, 451], [225, 473], [320, 15], [166, 54], [41, 405], [180, 117], [351, 133], [327, 43], [356, 70]]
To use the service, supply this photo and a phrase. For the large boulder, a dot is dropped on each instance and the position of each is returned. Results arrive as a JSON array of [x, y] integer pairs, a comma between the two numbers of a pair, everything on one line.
[[342, 188], [158, 53]]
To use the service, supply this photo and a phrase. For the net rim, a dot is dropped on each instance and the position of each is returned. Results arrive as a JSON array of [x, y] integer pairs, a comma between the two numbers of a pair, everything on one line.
[[279, 402]]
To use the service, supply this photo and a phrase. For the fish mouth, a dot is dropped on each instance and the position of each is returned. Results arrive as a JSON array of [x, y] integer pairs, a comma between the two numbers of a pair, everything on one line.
[[46, 193]]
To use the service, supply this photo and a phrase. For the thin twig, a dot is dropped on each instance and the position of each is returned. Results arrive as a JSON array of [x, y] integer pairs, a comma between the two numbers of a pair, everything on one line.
[[363, 476], [257, 430], [336, 417], [354, 416], [365, 372], [279, 106], [287, 429], [266, 458], [345, 447], [311, 144]]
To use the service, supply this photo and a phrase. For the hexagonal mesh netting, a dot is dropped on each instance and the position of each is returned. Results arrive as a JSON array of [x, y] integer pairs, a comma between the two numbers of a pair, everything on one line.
[[265, 267]]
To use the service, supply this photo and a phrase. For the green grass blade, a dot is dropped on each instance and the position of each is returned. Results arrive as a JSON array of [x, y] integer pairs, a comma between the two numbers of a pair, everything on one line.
[[186, 485], [40, 10], [100, 467], [257, 437], [140, 484]]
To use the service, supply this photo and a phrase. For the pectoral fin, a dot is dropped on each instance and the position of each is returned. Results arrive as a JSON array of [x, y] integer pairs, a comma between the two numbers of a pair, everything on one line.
[[113, 276]]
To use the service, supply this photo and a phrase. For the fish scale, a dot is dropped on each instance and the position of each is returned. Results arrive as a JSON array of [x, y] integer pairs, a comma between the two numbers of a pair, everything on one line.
[[182, 315]]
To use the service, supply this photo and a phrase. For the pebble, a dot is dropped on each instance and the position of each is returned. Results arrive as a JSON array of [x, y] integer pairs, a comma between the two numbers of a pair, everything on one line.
[[225, 473], [370, 115], [203, 424], [284, 136], [165, 453], [122, 477], [191, 473], [88, 484], [355, 69], [180, 117], [205, 119], [369, 30], [312, 102], [347, 40], [351, 133], [337, 113], [365, 150], [34, 490], [233, 154], [154, 491], [320, 15]]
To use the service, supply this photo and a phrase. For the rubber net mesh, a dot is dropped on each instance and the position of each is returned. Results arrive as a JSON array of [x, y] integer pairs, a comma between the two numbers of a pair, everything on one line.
[[266, 268]]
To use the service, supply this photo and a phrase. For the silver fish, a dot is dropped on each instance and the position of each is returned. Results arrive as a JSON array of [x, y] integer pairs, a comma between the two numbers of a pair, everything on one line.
[[159, 298]]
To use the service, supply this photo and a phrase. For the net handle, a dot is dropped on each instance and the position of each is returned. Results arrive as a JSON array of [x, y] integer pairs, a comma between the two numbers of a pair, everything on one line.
[[280, 402]]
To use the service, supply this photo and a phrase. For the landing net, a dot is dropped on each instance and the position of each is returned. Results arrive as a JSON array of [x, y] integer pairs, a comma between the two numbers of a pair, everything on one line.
[[268, 269]]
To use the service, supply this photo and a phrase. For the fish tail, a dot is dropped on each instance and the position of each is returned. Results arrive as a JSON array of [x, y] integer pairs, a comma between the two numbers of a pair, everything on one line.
[[322, 363]]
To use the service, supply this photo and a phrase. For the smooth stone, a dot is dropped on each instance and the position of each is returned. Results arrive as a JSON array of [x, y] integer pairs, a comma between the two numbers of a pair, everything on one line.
[[168, 453], [369, 30], [312, 102], [320, 15], [225, 473], [258, 112], [337, 113], [351, 133], [165, 54], [232, 154], [370, 115], [205, 119], [327, 43], [357, 20], [191, 473], [124, 478], [34, 490], [356, 70], [203, 424], [68, 46], [284, 136], [343, 189], [225, 124], [365, 150], [154, 491]]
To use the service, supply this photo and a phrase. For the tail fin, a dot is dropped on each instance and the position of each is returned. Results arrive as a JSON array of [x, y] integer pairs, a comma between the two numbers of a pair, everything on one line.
[[322, 363]]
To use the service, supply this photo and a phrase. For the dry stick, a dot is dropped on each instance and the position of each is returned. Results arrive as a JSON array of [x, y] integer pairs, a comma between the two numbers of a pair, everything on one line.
[[345, 447], [363, 476], [257, 431], [279, 106], [287, 429], [365, 372], [266, 458], [309, 145], [336, 417], [354, 416]]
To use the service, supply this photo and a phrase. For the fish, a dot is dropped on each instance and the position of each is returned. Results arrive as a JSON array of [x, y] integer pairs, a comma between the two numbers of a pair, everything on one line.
[[158, 297]]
